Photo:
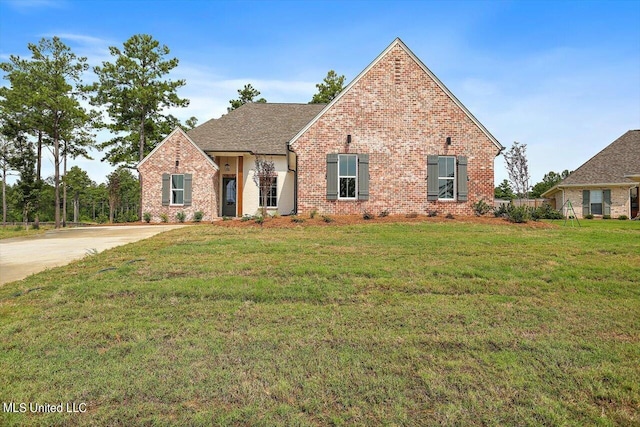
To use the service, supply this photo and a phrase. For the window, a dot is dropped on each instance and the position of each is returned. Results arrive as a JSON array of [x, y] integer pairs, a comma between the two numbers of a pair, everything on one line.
[[446, 178], [596, 202], [272, 195], [177, 189], [347, 176]]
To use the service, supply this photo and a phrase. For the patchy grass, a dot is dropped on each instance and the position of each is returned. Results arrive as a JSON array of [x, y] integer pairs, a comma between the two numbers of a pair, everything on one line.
[[9, 231], [443, 323]]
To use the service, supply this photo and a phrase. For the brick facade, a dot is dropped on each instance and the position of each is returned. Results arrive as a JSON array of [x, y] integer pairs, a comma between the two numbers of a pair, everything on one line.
[[620, 201], [398, 115], [178, 155]]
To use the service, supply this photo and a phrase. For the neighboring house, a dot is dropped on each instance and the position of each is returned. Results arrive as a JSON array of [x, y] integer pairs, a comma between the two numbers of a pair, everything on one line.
[[607, 184], [395, 139]]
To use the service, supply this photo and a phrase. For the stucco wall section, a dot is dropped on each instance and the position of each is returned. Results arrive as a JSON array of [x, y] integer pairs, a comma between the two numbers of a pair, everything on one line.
[[251, 193], [178, 148], [398, 115]]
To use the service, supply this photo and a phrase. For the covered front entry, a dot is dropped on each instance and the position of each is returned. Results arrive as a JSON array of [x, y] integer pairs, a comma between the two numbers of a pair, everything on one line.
[[229, 196], [634, 198]]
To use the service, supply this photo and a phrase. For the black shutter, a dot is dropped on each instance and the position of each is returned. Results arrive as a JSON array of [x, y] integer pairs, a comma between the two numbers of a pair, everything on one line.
[[432, 178], [187, 189], [462, 179], [363, 177], [606, 200], [166, 189], [332, 177]]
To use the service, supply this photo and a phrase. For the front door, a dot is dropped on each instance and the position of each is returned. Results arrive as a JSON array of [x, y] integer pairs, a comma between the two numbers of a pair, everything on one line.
[[229, 196], [635, 199]]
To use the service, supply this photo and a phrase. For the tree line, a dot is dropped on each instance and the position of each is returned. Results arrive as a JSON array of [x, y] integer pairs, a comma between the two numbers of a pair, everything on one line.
[[48, 107]]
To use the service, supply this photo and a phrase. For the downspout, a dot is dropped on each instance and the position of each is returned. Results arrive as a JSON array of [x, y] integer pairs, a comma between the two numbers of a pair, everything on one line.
[[295, 178]]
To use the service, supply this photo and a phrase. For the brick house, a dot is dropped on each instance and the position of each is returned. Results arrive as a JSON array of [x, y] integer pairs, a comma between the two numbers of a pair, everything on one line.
[[607, 184], [395, 139]]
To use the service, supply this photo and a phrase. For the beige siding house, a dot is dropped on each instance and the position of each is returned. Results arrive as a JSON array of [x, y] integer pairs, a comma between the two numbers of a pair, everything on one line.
[[607, 184], [395, 139]]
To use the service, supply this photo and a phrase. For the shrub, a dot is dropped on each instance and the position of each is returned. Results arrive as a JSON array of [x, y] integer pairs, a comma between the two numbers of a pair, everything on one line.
[[449, 216], [259, 219], [623, 217], [164, 217], [367, 215], [481, 208], [102, 218], [313, 213], [606, 216], [502, 211], [197, 216], [246, 218], [180, 216], [327, 218], [146, 217], [546, 212], [384, 213], [36, 226], [226, 218], [297, 219], [588, 216], [518, 214], [431, 214]]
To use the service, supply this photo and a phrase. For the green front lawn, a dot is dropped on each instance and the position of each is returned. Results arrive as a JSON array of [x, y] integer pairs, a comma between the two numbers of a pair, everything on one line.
[[435, 323]]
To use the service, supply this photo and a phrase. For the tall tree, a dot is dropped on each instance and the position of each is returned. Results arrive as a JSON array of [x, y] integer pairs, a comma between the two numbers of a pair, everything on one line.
[[27, 186], [79, 185], [7, 153], [548, 181], [245, 96], [49, 87], [135, 91], [504, 191], [518, 168], [330, 87]]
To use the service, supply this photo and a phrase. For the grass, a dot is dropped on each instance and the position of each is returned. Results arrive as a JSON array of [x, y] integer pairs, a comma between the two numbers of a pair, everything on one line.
[[444, 323], [10, 231]]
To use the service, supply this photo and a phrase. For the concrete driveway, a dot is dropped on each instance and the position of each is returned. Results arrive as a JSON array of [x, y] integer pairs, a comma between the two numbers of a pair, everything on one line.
[[22, 256]]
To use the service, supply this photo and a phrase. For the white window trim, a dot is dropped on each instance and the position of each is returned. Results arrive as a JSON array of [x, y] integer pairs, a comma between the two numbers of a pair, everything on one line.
[[172, 189], [454, 179], [275, 181], [355, 197]]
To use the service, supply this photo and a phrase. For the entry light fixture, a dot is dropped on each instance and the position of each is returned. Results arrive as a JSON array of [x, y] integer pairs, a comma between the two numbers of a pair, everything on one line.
[[227, 167], [348, 139], [448, 140]]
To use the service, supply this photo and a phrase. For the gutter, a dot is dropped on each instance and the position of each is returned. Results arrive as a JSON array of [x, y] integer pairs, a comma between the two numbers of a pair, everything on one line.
[[295, 179]]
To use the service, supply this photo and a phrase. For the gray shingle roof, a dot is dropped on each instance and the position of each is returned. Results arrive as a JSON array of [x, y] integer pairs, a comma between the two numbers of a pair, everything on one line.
[[259, 128], [610, 166]]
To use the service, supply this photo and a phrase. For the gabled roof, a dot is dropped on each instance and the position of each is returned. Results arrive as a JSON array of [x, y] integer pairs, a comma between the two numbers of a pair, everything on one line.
[[615, 164], [400, 43], [148, 156], [258, 128]]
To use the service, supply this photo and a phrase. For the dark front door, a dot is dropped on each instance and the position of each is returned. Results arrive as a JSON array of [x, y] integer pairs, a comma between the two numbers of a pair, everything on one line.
[[229, 196], [635, 199]]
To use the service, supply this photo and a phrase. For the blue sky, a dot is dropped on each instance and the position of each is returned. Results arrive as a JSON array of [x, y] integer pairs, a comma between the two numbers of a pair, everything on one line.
[[562, 77]]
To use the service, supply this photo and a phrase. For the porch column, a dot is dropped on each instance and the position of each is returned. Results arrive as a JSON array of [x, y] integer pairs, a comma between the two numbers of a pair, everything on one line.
[[240, 185]]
